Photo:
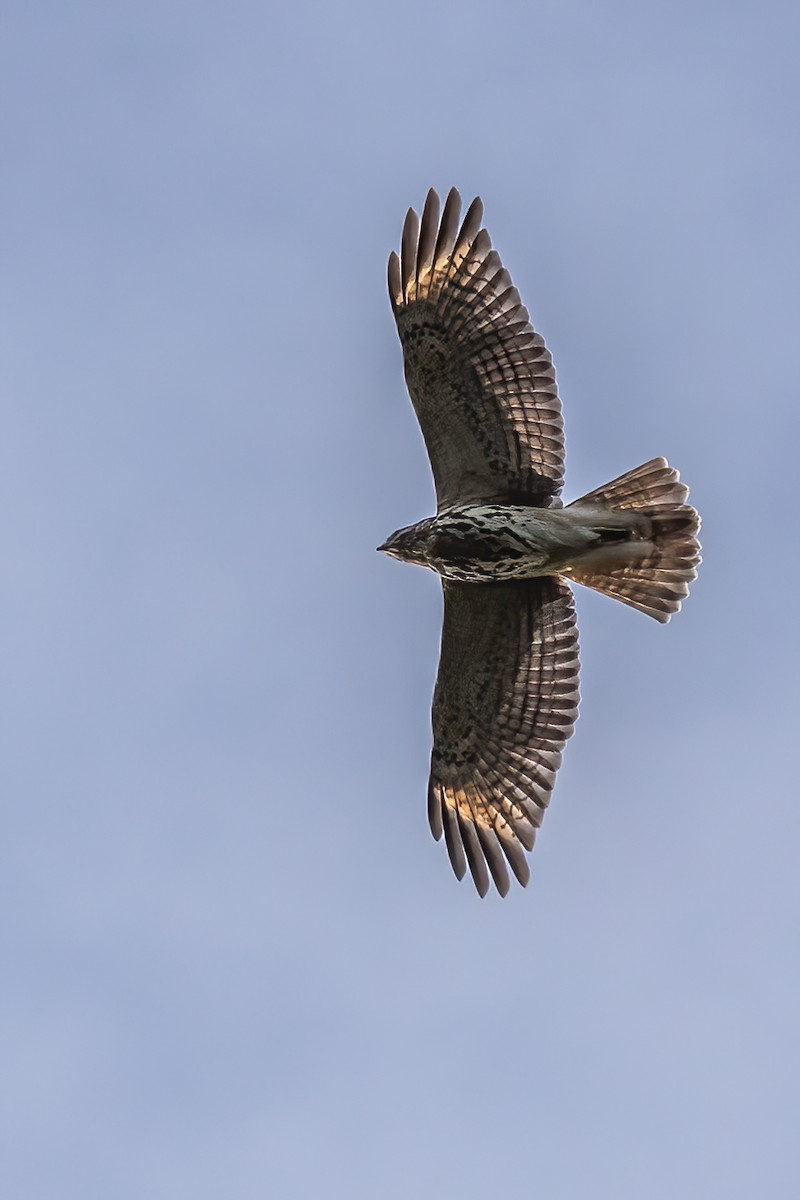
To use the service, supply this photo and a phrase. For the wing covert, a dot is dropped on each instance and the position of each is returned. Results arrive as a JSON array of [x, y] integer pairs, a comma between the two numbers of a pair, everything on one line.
[[481, 379], [506, 701]]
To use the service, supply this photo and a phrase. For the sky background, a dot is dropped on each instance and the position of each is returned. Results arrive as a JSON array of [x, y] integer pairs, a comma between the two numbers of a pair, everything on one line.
[[234, 963]]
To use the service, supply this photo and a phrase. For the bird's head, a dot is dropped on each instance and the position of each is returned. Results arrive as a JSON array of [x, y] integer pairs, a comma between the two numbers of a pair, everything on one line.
[[409, 544]]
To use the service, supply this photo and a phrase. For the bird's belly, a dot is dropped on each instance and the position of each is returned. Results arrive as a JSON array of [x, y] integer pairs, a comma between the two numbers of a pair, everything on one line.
[[482, 571]]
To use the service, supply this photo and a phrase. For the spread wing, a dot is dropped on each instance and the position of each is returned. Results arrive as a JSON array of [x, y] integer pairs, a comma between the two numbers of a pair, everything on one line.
[[506, 701], [481, 380]]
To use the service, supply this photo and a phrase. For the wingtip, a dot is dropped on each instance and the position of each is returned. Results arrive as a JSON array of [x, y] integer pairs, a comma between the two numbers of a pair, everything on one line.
[[408, 248], [435, 811], [432, 198], [473, 220], [428, 231], [452, 837], [431, 238], [490, 846], [481, 882], [395, 279], [474, 853]]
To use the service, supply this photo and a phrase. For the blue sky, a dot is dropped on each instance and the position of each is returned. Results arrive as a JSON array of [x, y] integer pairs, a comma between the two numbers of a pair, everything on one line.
[[234, 961]]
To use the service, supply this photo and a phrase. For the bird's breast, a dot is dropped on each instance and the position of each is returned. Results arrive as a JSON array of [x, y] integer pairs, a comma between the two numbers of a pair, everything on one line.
[[482, 543]]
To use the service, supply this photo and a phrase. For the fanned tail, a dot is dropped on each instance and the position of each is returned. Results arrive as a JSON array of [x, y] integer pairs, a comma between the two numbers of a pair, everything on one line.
[[652, 568]]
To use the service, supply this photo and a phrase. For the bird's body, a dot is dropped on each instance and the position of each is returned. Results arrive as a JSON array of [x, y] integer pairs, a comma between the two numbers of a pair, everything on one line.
[[487, 543], [483, 386]]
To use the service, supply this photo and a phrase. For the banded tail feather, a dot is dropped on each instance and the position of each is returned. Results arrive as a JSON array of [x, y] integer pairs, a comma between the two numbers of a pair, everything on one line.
[[653, 569]]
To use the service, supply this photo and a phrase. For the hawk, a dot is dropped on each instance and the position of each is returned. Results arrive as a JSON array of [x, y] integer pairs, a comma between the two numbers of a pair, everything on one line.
[[484, 390]]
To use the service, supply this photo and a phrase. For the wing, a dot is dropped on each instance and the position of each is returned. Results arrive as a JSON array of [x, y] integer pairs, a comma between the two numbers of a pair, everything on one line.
[[506, 701], [481, 380]]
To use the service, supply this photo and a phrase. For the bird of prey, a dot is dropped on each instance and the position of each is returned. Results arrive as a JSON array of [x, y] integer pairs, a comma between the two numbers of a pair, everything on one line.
[[483, 386]]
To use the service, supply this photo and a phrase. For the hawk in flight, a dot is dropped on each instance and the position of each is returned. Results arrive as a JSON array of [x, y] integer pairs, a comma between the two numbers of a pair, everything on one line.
[[483, 386]]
